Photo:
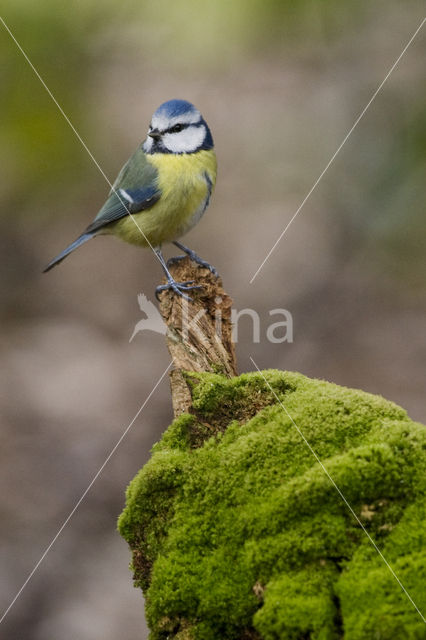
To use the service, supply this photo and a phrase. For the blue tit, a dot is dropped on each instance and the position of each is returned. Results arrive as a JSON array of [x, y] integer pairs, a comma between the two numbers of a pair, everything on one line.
[[163, 189]]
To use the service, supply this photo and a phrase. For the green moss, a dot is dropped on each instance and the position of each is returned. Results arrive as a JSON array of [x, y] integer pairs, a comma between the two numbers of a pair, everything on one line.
[[219, 400], [237, 532], [306, 598]]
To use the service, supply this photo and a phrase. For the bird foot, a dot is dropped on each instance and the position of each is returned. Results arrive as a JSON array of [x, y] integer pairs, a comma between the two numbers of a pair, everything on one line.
[[175, 260], [195, 258], [178, 288]]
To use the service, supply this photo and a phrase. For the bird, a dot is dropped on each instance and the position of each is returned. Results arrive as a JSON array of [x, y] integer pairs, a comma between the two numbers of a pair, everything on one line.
[[162, 191]]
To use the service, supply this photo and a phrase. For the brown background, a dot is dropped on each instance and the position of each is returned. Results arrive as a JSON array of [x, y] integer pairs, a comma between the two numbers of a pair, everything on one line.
[[280, 84]]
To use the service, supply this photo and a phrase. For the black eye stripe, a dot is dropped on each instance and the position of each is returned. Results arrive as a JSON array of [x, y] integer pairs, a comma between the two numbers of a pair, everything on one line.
[[177, 127], [180, 126]]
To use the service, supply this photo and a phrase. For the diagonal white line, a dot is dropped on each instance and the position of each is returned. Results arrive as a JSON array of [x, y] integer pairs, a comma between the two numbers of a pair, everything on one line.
[[341, 494], [80, 500], [79, 137], [337, 151]]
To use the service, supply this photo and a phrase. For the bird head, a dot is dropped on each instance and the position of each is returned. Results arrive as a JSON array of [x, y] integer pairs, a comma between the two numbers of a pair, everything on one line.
[[177, 127]]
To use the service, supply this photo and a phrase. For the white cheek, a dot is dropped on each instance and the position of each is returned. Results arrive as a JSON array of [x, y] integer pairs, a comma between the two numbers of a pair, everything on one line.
[[186, 141]]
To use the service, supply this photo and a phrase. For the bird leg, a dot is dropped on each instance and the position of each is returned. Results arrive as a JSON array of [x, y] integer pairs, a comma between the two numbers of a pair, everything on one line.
[[177, 287], [192, 256]]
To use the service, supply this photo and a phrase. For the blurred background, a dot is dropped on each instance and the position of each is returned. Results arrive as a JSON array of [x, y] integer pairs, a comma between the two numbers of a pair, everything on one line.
[[280, 83]]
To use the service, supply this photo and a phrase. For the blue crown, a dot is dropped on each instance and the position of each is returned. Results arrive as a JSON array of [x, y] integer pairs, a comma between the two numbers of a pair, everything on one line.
[[173, 108]]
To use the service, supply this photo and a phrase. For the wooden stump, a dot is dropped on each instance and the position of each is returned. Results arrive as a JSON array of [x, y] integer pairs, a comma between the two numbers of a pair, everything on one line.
[[199, 333]]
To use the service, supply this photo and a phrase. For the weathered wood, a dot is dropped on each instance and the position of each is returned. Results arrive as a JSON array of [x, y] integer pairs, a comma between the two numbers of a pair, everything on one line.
[[199, 333]]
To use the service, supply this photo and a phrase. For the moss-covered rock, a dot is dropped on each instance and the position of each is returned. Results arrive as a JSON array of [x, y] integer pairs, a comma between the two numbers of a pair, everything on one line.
[[237, 531]]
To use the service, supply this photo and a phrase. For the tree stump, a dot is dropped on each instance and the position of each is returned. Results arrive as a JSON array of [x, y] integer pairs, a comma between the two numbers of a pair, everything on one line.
[[199, 333], [235, 529]]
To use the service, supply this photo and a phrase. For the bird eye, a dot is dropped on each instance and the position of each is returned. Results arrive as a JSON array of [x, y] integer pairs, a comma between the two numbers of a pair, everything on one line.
[[176, 128]]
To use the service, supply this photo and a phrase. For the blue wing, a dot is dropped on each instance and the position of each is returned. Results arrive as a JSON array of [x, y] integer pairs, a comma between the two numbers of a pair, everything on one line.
[[123, 202], [134, 190]]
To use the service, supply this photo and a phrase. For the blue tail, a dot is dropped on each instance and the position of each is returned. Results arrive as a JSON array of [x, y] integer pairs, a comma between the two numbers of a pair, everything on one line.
[[80, 240]]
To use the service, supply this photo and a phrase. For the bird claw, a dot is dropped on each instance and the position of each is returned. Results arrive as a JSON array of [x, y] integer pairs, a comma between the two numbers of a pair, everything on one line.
[[208, 266], [174, 260], [178, 287], [194, 257]]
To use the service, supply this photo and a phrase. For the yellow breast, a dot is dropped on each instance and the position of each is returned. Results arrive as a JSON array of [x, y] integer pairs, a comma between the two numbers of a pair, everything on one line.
[[184, 191]]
